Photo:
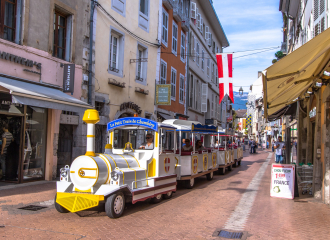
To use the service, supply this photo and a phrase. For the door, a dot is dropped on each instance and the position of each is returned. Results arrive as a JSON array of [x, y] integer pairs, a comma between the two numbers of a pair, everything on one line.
[[100, 139], [64, 151]]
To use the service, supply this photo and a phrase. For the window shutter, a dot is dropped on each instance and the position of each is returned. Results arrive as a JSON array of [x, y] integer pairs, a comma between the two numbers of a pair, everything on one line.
[[198, 21], [193, 10], [316, 9], [202, 22], [204, 97], [210, 39], [322, 6], [207, 29]]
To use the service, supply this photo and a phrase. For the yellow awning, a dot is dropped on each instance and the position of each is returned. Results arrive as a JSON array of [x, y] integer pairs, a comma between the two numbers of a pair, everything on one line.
[[290, 77]]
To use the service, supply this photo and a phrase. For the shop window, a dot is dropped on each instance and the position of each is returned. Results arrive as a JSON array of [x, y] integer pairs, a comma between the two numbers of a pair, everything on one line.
[[62, 35], [10, 15], [34, 154], [7, 106]]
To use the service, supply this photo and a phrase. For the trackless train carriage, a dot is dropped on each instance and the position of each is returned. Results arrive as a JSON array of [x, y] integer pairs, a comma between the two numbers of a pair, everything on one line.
[[143, 160]]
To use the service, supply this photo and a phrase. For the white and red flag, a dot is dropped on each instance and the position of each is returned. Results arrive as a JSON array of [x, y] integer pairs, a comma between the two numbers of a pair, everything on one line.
[[225, 74]]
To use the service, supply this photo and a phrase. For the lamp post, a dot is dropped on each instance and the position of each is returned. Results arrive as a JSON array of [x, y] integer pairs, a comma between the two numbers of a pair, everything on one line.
[[240, 91]]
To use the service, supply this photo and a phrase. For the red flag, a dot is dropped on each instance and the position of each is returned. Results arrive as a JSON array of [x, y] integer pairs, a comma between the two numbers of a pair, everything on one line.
[[225, 74]]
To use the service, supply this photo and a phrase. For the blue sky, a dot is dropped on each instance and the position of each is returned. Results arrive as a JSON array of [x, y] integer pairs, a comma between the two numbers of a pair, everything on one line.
[[250, 25]]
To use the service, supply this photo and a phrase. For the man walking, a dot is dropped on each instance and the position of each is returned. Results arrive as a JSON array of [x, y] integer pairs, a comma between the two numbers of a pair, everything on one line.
[[7, 137], [279, 146]]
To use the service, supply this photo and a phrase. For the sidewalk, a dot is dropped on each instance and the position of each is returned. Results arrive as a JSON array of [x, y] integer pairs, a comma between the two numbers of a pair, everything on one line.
[[190, 214]]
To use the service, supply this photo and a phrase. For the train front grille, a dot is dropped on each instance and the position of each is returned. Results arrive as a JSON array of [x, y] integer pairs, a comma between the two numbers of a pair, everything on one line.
[[78, 202]]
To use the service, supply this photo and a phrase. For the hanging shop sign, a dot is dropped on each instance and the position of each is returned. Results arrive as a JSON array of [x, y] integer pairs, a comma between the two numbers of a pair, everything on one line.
[[130, 105], [282, 180], [163, 94], [68, 78], [312, 113]]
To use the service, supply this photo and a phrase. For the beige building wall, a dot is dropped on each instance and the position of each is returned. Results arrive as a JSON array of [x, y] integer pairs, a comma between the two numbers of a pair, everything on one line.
[[129, 16]]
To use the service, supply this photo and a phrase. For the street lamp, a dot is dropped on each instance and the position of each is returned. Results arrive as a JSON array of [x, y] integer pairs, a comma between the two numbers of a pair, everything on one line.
[[240, 91]]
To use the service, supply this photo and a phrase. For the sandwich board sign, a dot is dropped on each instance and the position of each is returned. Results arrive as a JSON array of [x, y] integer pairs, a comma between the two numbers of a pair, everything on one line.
[[282, 180]]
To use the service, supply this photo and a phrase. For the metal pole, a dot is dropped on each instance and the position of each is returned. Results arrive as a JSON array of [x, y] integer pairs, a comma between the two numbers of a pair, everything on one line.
[[90, 67]]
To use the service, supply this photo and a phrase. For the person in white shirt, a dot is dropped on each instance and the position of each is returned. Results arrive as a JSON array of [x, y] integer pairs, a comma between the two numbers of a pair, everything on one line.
[[279, 146], [187, 147], [149, 144]]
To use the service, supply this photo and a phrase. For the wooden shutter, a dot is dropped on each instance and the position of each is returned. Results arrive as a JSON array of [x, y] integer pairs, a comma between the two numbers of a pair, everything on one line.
[[193, 10], [201, 28], [204, 97], [198, 21], [207, 29]]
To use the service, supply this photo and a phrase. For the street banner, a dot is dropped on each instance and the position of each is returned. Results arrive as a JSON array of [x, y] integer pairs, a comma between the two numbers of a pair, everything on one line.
[[68, 78], [225, 75], [282, 180]]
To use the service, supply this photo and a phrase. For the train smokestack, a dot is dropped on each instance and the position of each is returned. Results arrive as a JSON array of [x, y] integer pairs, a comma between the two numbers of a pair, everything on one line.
[[91, 117]]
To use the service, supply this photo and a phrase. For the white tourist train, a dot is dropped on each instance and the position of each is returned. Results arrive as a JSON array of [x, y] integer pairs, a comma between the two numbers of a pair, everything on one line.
[[143, 160]]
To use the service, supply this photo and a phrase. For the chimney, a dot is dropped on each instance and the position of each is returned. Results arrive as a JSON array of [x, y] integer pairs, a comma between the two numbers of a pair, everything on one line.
[[91, 117]]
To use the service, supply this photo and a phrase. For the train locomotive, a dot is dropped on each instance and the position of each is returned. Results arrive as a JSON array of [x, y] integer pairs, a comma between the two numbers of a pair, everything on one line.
[[125, 172]]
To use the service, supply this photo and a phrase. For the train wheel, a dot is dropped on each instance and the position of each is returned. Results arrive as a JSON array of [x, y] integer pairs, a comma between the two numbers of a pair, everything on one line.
[[157, 199], [59, 208], [114, 205], [209, 176], [230, 167], [222, 171], [168, 195], [190, 183]]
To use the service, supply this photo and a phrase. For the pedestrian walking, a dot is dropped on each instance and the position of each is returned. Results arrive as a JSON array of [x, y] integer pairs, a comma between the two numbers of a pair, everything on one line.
[[267, 144], [7, 137], [252, 146], [279, 146]]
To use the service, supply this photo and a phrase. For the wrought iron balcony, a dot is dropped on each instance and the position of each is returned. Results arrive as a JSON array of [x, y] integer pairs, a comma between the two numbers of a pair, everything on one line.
[[169, 4], [178, 13], [284, 48]]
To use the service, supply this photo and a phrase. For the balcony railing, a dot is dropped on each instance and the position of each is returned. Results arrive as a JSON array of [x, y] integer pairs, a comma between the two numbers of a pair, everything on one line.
[[284, 48], [178, 13], [169, 4]]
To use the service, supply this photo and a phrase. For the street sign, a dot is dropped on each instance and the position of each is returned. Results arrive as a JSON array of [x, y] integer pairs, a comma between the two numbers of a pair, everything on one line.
[[163, 94], [282, 180]]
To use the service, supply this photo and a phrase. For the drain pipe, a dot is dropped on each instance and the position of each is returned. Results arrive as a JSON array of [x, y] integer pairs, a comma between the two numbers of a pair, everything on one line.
[[90, 67]]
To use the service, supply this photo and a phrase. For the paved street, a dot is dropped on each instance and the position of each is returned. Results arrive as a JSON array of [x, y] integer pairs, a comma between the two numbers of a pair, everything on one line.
[[190, 214]]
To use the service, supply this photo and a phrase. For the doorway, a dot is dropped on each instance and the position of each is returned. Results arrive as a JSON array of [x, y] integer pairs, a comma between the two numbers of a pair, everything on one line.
[[64, 151], [11, 130]]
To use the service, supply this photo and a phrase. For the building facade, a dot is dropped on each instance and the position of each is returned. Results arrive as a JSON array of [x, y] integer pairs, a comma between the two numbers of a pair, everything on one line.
[[206, 39], [41, 79], [126, 49], [173, 61]]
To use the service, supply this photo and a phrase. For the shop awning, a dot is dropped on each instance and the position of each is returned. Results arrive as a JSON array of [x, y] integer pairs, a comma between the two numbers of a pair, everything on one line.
[[290, 77], [164, 116], [287, 110], [41, 96]]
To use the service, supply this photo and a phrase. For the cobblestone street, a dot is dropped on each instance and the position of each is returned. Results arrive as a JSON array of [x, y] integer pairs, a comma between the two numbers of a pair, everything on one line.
[[190, 214]]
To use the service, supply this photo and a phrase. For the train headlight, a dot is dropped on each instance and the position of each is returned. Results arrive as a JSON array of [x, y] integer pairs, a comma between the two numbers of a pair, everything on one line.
[[114, 176], [64, 172]]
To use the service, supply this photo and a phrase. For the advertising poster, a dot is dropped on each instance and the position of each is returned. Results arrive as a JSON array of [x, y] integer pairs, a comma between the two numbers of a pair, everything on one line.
[[282, 180]]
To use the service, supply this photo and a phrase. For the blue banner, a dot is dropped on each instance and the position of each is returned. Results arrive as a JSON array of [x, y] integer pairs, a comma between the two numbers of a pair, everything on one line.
[[204, 128], [133, 121]]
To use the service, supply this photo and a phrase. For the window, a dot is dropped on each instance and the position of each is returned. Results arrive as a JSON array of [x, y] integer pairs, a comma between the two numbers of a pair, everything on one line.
[[114, 49], [144, 7], [183, 43], [141, 65], [208, 67], [165, 28], [192, 46], [173, 84], [59, 35], [119, 6], [212, 106], [203, 59], [163, 71], [213, 49], [175, 38], [116, 52], [144, 15], [197, 54], [212, 74], [191, 92], [9, 12], [181, 89]]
